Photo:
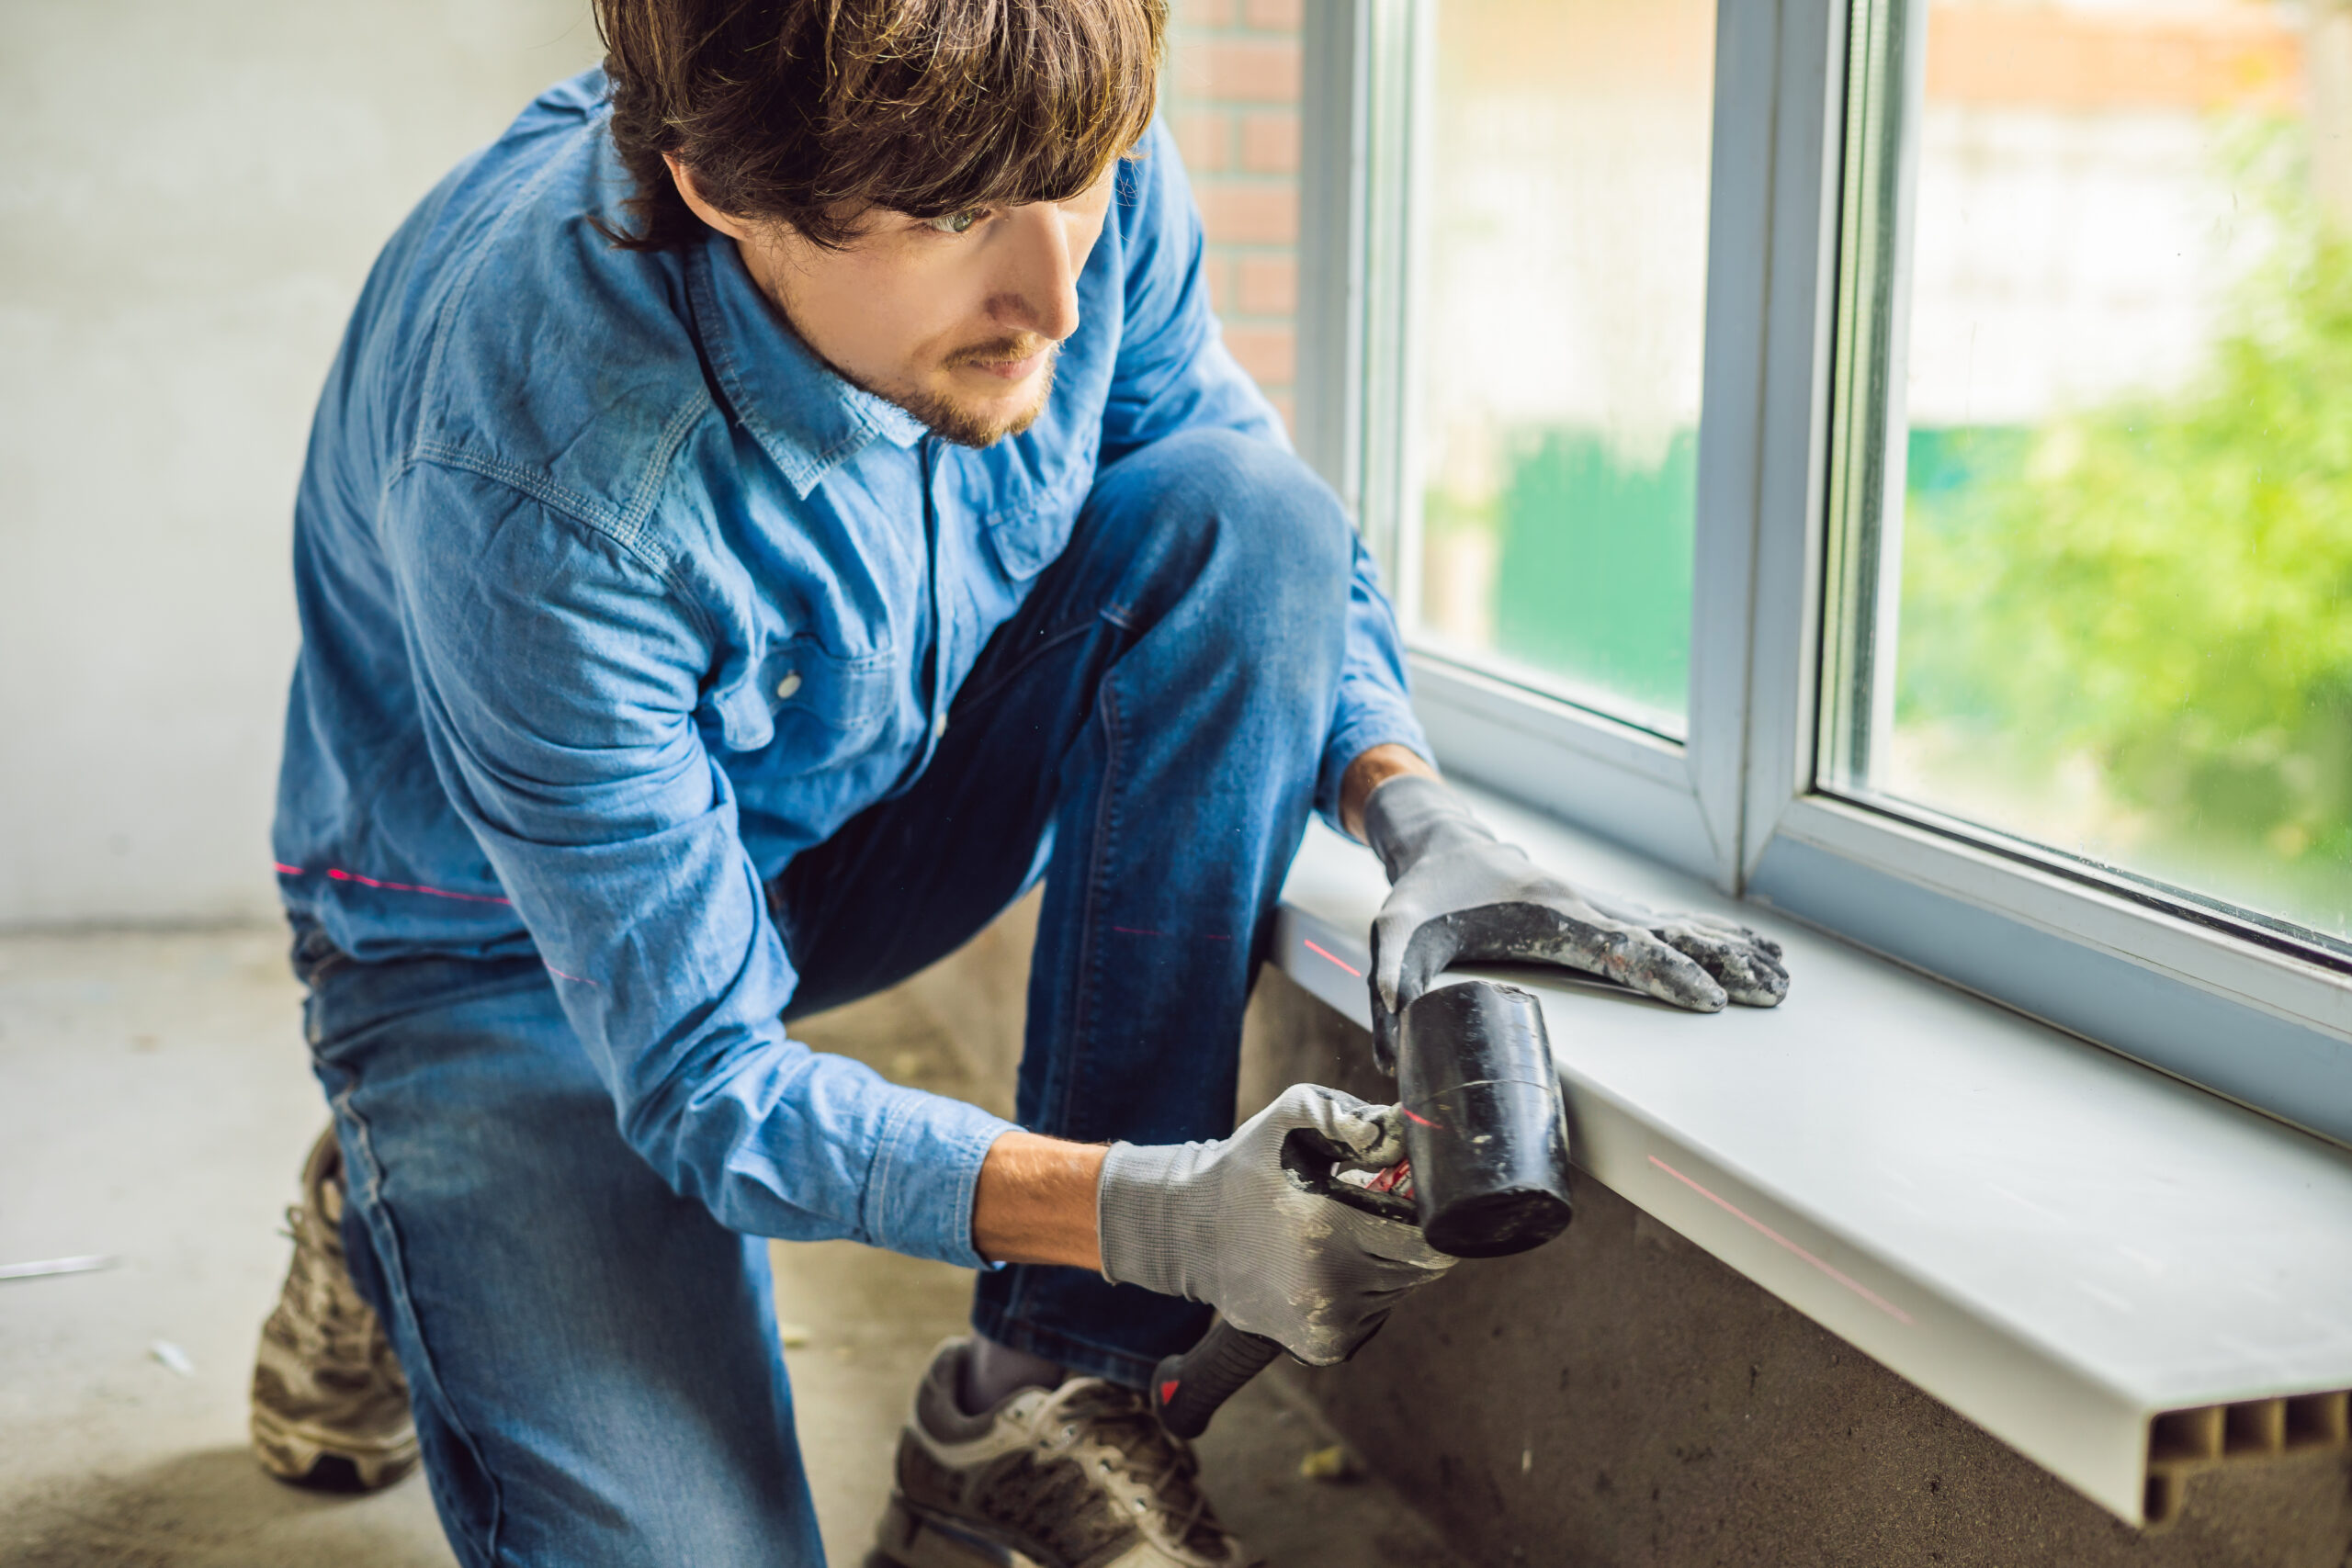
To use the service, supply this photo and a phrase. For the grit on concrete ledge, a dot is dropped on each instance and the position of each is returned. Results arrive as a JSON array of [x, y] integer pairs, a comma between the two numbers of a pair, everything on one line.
[[155, 1102]]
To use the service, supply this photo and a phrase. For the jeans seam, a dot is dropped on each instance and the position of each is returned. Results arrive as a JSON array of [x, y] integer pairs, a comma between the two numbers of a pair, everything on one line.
[[1017, 1299], [393, 1272], [1097, 887]]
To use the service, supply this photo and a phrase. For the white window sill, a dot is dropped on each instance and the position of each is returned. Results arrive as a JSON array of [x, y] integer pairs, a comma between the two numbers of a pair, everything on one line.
[[2057, 1242]]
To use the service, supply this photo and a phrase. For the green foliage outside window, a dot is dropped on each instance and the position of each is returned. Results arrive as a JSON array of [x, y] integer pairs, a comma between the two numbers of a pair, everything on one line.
[[1594, 570], [2162, 589]]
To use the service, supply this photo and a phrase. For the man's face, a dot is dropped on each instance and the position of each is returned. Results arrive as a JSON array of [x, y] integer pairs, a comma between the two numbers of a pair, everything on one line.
[[956, 320]]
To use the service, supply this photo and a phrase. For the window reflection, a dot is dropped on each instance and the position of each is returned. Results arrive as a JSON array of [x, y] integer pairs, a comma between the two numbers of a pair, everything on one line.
[[1561, 208], [2126, 536]]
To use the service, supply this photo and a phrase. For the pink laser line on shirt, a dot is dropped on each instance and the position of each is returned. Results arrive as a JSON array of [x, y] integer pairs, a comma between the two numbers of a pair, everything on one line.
[[575, 979], [1342, 962], [336, 873], [1859, 1289]]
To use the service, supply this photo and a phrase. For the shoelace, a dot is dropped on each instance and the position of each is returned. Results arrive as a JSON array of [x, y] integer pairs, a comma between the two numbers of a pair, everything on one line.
[[1162, 1464]]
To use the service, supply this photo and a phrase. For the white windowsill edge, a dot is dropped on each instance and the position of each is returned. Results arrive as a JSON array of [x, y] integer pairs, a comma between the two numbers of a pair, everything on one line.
[[2054, 1240]]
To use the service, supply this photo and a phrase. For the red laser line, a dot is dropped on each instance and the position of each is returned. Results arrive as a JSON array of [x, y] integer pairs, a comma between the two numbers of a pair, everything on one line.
[[575, 979], [1859, 1289], [336, 873], [1342, 962]]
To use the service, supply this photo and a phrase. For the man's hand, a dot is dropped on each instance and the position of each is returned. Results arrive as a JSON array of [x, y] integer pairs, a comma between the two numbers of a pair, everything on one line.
[[1225, 1224], [1458, 893]]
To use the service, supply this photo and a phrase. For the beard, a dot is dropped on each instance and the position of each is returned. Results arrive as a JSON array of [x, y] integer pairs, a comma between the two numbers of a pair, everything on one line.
[[966, 426], [944, 416]]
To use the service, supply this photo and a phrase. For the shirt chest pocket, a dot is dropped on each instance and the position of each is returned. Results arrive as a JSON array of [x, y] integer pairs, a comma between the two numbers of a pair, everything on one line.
[[1034, 522], [1023, 547], [818, 706]]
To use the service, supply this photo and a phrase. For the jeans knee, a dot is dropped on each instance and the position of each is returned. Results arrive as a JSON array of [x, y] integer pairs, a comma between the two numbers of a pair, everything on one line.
[[1269, 536]]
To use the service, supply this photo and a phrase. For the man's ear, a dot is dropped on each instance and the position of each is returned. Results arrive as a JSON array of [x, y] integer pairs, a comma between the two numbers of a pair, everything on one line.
[[691, 194]]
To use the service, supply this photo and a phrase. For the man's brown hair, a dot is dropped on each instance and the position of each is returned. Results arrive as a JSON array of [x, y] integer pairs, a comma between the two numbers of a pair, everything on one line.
[[811, 112]]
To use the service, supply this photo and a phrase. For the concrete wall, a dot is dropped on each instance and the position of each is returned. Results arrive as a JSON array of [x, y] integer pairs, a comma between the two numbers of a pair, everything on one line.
[[192, 196]]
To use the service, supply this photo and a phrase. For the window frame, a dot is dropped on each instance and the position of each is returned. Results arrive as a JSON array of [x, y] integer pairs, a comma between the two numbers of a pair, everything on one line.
[[1737, 801]]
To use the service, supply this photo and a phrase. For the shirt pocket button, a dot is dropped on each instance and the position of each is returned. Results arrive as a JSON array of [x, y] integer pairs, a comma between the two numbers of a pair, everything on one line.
[[789, 684]]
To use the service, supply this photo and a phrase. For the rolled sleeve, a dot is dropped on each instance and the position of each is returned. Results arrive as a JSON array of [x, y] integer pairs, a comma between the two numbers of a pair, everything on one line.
[[925, 1174]]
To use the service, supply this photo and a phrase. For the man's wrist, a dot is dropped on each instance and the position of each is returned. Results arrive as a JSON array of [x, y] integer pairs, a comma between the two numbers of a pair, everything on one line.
[[1370, 769], [1036, 1201]]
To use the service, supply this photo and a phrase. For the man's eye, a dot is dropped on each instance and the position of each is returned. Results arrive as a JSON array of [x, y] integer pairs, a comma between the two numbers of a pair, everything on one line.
[[956, 222]]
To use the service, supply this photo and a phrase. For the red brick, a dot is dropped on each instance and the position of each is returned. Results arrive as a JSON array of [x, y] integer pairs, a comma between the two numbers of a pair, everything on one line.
[[1204, 138], [1266, 286], [1205, 13], [1239, 71], [1217, 273], [1269, 354], [1274, 16], [1248, 214], [1270, 142]]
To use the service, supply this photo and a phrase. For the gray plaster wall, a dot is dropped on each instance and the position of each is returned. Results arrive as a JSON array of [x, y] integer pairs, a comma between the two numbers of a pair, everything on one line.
[[191, 199]]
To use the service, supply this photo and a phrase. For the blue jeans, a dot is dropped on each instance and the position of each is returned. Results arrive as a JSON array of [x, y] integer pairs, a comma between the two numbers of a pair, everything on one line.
[[595, 1364]]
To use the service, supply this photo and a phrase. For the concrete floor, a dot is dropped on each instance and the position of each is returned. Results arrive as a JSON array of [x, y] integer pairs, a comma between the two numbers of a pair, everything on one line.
[[154, 1105]]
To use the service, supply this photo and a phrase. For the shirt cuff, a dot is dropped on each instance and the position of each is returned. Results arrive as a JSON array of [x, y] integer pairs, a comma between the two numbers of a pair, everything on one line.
[[926, 1169], [1382, 726]]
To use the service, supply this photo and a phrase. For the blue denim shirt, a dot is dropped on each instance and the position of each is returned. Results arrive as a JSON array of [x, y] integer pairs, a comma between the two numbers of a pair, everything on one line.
[[613, 598]]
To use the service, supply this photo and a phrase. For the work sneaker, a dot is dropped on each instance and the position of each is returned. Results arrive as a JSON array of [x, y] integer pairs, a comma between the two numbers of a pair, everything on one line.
[[1079, 1476], [330, 1406]]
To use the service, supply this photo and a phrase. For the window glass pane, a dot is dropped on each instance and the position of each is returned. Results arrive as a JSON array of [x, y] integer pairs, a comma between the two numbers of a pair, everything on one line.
[[1559, 217], [2125, 525]]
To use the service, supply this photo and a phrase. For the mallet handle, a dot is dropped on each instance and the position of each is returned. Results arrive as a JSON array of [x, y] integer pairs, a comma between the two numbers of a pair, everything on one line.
[[1187, 1388]]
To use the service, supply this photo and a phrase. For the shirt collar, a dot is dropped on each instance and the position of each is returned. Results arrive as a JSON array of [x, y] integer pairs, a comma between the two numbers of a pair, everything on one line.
[[802, 413]]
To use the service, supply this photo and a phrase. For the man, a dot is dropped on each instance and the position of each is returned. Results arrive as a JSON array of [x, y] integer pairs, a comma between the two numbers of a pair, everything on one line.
[[774, 504]]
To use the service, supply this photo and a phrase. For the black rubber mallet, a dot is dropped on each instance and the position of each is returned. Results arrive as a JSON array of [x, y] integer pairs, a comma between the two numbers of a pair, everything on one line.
[[1485, 1144]]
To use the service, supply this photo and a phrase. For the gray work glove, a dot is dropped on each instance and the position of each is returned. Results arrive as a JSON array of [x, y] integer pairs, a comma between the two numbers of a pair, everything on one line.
[[1457, 894], [1226, 1224]]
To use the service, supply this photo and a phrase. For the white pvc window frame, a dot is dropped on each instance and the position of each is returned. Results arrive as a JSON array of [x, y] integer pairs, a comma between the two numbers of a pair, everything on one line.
[[2223, 1004]]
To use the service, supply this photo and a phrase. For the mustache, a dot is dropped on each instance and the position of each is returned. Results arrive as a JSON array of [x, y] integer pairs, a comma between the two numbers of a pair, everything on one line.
[[1000, 350]]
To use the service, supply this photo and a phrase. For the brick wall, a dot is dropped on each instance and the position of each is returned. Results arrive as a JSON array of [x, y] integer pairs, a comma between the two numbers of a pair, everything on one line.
[[1233, 105]]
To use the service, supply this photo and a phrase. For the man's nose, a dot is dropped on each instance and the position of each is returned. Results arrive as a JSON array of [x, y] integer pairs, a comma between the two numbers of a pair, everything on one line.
[[1040, 291]]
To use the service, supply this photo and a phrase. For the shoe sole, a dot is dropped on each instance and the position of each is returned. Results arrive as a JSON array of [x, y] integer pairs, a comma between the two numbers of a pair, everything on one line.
[[302, 1455], [913, 1540]]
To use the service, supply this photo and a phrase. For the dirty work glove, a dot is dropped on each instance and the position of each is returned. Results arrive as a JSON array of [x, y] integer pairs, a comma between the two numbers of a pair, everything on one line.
[[1458, 893], [1225, 1224]]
